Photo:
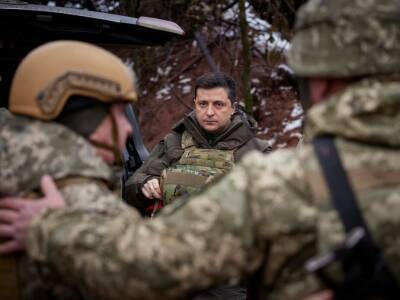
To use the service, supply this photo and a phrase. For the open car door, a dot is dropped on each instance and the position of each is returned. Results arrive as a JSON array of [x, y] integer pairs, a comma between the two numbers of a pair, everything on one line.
[[25, 26]]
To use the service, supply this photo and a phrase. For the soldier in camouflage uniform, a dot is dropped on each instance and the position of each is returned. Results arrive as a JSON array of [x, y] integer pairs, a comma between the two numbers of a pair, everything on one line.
[[67, 121], [269, 212]]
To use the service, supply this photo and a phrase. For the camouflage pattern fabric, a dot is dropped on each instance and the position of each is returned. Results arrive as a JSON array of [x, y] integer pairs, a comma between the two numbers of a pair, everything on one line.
[[196, 168], [344, 38], [271, 208], [30, 149]]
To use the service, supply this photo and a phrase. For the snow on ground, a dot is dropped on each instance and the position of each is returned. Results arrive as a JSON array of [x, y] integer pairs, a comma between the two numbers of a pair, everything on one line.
[[164, 72], [265, 39], [264, 130], [184, 84], [164, 93], [186, 89], [297, 110], [286, 68], [293, 125], [282, 145], [184, 80], [296, 135], [297, 119]]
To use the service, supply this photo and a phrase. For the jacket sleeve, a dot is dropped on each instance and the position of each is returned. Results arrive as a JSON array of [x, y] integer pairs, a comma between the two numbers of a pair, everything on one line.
[[219, 235], [161, 157]]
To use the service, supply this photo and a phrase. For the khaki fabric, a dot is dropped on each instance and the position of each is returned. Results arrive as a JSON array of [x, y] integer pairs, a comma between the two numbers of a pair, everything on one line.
[[196, 168]]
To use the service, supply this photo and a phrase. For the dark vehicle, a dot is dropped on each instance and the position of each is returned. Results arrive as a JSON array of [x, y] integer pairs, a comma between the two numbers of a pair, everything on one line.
[[25, 26]]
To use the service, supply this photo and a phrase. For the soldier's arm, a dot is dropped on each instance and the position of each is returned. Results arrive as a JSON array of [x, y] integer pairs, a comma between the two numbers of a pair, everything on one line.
[[216, 236]]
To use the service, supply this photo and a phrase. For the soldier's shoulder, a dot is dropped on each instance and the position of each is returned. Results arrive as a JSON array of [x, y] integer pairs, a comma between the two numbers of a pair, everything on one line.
[[281, 160], [92, 195], [45, 148]]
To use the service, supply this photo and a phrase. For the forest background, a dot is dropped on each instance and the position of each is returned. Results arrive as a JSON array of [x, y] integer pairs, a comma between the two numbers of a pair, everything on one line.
[[246, 39]]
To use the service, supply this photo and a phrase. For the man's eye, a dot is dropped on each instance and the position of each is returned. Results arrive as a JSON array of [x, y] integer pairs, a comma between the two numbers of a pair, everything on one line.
[[219, 104], [202, 104]]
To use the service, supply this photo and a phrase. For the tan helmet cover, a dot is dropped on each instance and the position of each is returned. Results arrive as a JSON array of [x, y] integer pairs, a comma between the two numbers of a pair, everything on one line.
[[55, 71]]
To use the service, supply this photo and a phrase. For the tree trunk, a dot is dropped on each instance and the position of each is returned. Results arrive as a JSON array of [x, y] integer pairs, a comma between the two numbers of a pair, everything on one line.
[[246, 54]]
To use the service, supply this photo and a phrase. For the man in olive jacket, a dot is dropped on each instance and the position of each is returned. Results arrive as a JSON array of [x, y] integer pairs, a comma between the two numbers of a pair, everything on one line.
[[205, 143]]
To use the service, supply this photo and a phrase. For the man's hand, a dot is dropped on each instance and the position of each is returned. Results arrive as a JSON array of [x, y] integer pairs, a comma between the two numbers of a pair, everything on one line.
[[16, 215], [151, 189]]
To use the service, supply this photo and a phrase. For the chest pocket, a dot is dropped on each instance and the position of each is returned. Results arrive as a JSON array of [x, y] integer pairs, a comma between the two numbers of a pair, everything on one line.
[[196, 168]]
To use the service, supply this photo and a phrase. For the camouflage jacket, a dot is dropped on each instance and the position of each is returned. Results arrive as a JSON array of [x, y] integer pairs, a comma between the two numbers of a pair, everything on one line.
[[270, 211], [238, 137], [31, 149]]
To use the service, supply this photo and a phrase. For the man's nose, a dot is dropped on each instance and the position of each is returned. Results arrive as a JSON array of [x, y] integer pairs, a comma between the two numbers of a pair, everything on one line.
[[210, 110], [129, 129]]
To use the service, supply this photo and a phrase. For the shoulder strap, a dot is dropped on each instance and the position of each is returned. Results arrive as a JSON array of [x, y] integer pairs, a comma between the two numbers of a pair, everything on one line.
[[342, 195], [344, 201]]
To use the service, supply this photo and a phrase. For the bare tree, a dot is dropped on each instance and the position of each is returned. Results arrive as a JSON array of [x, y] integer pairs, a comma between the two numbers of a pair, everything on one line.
[[246, 54]]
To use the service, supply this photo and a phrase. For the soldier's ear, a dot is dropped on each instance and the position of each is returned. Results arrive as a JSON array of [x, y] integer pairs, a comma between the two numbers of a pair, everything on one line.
[[319, 88]]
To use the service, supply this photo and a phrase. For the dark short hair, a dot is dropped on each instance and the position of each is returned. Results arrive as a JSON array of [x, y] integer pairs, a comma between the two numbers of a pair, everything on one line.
[[217, 79]]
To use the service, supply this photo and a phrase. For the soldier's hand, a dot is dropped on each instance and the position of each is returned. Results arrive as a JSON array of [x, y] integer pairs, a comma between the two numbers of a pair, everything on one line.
[[151, 189], [16, 215]]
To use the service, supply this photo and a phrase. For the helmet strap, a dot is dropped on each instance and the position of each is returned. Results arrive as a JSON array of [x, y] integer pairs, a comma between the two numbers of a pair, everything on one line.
[[114, 147], [304, 93]]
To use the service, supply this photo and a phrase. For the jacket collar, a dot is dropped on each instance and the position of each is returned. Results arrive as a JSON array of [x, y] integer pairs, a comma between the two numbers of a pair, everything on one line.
[[236, 134]]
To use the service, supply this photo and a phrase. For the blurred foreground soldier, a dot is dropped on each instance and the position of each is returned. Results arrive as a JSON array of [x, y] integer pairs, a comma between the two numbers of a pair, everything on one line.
[[272, 213], [67, 120], [205, 143]]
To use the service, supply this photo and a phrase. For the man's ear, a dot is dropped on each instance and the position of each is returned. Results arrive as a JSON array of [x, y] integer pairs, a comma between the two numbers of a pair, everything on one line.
[[319, 89]]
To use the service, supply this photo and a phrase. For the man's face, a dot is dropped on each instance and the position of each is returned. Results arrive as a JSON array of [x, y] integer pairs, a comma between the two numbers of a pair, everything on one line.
[[124, 127], [104, 133], [213, 108]]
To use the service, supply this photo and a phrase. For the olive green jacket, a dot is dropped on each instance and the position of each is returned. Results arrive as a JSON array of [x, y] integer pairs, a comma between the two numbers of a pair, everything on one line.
[[238, 136]]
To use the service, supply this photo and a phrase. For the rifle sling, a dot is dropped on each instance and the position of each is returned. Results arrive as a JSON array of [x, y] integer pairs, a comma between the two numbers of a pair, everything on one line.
[[345, 203]]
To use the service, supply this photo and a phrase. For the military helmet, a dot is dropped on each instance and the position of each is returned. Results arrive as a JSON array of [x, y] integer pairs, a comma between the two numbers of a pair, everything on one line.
[[342, 38], [54, 72]]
